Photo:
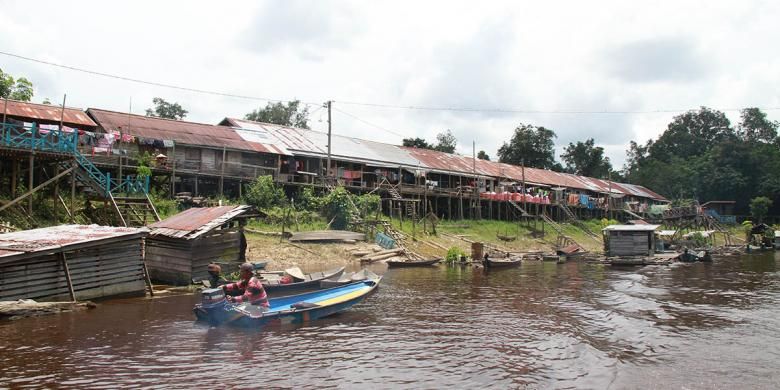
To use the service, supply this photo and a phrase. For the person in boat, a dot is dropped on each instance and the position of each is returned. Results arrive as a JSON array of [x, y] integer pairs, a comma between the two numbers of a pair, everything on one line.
[[215, 276], [486, 257], [249, 287]]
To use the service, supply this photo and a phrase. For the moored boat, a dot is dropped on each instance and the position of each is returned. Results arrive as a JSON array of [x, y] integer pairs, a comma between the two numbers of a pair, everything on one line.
[[412, 263], [501, 262], [292, 309], [293, 279], [363, 274]]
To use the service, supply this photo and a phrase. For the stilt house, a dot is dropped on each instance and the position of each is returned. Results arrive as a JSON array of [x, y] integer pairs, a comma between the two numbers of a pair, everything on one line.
[[180, 248]]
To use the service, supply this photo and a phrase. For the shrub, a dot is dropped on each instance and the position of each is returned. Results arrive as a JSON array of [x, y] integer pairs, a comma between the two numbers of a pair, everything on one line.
[[263, 193], [454, 254]]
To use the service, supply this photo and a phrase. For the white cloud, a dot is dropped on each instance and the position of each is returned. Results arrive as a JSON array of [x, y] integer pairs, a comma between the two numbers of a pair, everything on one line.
[[531, 56]]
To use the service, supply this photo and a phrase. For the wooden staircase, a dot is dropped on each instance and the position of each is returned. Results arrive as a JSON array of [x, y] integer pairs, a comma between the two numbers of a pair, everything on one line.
[[136, 211], [562, 240], [518, 208], [579, 224], [408, 206]]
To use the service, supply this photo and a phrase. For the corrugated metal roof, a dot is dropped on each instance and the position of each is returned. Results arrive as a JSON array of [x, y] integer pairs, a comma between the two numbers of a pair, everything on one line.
[[181, 132], [59, 238], [631, 228], [195, 222], [315, 144], [48, 114]]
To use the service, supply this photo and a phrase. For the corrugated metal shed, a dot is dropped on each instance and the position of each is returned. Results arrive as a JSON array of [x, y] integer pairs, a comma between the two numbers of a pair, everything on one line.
[[195, 222], [47, 114], [37, 242], [181, 132]]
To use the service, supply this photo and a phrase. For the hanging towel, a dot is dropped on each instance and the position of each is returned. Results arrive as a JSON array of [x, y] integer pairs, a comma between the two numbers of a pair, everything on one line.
[[168, 143]]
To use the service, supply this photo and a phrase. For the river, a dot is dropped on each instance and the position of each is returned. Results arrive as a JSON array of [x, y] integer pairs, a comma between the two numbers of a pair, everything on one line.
[[542, 325]]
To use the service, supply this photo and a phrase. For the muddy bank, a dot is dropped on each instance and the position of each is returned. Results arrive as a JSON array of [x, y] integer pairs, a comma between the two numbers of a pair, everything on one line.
[[14, 310]]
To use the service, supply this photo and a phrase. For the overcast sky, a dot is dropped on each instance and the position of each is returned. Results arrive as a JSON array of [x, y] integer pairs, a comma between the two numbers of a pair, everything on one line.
[[520, 56]]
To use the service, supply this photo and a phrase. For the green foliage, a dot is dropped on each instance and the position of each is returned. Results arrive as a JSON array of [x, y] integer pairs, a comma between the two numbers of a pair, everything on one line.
[[483, 156], [306, 199], [446, 142], [290, 114], [19, 89], [336, 206], [367, 204], [454, 254], [586, 159], [531, 145], [698, 239], [284, 215], [416, 143], [163, 109], [165, 207], [263, 193], [759, 206], [701, 156], [144, 162]]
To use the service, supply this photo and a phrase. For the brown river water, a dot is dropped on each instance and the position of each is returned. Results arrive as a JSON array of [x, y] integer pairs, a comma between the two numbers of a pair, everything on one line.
[[542, 325]]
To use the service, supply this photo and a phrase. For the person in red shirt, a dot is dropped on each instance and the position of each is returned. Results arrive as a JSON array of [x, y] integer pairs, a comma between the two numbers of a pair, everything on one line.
[[249, 287]]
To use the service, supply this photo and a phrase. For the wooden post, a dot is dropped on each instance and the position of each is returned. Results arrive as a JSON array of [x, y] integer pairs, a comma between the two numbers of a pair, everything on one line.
[[31, 184], [222, 174], [14, 176], [196, 184], [73, 191], [56, 193], [67, 276], [173, 172], [460, 192]]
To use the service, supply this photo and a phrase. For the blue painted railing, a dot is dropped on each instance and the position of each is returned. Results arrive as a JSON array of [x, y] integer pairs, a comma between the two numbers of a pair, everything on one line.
[[31, 137]]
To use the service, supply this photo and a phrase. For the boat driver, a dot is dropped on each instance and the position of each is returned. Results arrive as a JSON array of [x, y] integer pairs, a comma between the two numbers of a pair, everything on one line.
[[249, 287]]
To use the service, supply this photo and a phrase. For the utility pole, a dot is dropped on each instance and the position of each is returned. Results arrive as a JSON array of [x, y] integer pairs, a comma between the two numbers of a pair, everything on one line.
[[477, 202], [329, 103]]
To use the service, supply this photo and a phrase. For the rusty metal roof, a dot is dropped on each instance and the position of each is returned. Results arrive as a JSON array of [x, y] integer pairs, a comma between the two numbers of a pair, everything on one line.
[[47, 114], [181, 132], [195, 222], [55, 239]]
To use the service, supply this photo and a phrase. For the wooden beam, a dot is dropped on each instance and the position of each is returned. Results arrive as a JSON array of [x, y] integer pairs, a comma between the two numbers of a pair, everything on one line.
[[67, 276], [34, 190]]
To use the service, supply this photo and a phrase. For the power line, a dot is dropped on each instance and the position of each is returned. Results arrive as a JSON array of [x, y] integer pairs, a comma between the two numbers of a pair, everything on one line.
[[367, 122], [375, 105], [154, 83], [524, 111]]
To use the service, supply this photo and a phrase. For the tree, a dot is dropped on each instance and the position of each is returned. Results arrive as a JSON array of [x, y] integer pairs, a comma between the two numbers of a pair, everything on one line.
[[416, 143], [446, 142], [586, 159], [290, 114], [532, 145], [483, 156], [759, 206], [692, 134], [163, 109], [19, 89], [755, 127]]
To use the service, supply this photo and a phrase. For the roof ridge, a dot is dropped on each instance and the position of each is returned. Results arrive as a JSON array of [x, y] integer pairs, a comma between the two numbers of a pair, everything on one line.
[[53, 106], [155, 118]]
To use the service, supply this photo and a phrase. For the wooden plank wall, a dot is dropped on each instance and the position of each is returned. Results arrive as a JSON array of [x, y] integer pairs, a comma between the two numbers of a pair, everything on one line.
[[629, 244], [96, 272], [179, 261]]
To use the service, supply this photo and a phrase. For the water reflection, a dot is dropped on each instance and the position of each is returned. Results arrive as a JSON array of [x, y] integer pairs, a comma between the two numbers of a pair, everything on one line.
[[542, 324]]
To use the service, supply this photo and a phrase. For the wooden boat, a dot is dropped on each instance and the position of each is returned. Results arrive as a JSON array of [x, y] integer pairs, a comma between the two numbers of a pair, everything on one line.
[[506, 238], [412, 263], [363, 274], [273, 281], [503, 262], [292, 309]]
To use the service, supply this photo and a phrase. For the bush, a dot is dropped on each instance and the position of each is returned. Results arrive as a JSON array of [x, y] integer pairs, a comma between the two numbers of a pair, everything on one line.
[[336, 206], [263, 193], [454, 254], [308, 200], [759, 207]]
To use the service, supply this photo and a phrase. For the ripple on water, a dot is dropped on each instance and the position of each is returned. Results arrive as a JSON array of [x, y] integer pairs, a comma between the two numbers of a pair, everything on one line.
[[542, 325]]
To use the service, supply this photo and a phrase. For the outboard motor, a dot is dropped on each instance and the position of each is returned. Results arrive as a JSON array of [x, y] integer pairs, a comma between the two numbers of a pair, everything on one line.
[[212, 303], [212, 298]]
